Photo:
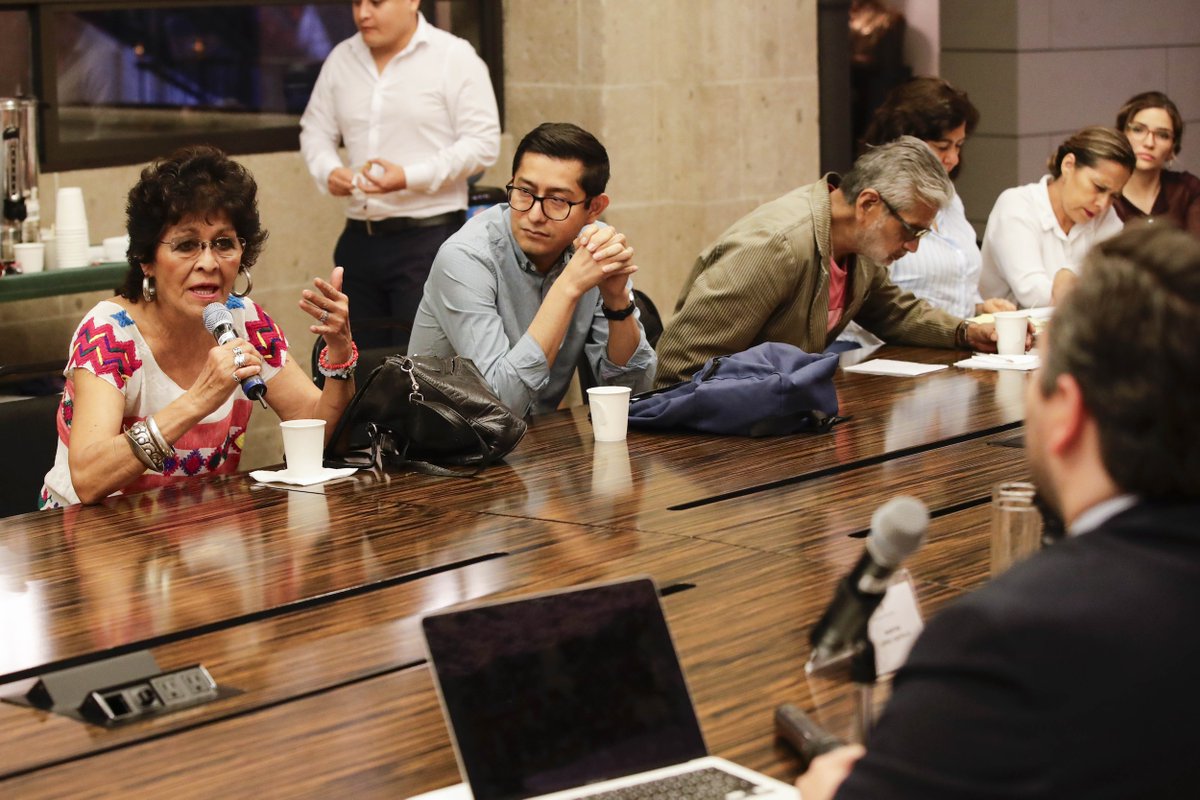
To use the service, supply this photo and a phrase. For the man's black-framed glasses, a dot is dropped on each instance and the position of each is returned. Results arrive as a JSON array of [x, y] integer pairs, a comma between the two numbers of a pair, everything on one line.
[[555, 208], [911, 232]]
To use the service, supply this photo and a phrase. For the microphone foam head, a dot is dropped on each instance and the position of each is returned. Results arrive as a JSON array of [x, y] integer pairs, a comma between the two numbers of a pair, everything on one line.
[[214, 315], [897, 528]]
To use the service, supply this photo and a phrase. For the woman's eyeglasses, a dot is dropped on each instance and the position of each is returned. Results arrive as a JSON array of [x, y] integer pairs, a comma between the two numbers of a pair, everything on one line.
[[1139, 130], [222, 247]]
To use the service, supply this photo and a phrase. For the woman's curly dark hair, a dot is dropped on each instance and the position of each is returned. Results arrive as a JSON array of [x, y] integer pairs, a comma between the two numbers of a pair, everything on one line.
[[197, 181], [927, 108]]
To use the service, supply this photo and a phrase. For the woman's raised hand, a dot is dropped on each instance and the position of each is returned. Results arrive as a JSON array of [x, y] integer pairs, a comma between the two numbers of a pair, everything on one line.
[[331, 310]]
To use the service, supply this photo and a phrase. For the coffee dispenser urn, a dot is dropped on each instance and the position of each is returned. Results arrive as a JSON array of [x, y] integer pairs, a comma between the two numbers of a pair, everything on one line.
[[19, 168]]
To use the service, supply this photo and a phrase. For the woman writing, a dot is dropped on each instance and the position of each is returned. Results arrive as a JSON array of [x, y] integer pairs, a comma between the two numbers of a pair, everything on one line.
[[1037, 234], [149, 398], [1154, 127]]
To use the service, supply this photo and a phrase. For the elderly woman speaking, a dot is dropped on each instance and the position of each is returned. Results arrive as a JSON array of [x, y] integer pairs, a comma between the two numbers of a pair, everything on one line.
[[149, 397]]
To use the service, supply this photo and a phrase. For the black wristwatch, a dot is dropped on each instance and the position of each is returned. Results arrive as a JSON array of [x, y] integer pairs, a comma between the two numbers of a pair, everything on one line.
[[618, 315]]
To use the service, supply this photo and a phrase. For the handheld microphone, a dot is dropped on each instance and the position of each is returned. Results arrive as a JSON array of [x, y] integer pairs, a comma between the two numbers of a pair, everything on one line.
[[897, 528], [219, 323], [800, 731]]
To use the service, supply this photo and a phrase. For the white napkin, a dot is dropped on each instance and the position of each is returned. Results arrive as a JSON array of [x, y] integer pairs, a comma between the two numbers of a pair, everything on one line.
[[887, 366], [992, 361], [283, 476]]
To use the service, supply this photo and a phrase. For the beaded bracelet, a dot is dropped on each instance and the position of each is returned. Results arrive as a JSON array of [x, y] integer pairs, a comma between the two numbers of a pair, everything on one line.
[[339, 372], [142, 443]]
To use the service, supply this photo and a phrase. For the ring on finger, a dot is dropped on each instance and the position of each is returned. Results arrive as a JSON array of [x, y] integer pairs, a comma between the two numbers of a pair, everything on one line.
[[324, 317], [239, 359], [235, 377], [237, 351]]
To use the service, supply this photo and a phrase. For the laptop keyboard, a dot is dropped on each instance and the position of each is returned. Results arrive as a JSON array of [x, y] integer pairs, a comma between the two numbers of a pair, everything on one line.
[[702, 784]]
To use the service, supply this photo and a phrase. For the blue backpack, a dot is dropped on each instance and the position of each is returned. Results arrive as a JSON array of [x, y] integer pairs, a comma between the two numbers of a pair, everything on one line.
[[768, 390]]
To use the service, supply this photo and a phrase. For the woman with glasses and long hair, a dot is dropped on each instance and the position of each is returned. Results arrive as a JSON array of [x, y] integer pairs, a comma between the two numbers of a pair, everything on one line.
[[1038, 234], [1154, 127], [945, 269], [150, 397]]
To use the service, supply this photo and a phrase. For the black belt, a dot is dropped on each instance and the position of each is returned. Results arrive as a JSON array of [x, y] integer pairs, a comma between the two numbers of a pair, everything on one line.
[[391, 225]]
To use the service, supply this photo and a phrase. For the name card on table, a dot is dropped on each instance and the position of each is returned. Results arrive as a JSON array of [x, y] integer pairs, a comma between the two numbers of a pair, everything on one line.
[[896, 624]]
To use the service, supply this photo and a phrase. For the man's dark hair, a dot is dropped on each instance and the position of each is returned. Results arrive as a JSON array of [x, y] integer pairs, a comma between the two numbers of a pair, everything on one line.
[[1127, 334], [199, 181], [568, 142]]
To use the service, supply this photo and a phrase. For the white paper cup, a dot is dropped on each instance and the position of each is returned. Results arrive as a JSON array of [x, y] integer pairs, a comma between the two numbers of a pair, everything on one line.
[[610, 412], [30, 255], [1011, 327], [72, 250], [69, 210], [303, 441]]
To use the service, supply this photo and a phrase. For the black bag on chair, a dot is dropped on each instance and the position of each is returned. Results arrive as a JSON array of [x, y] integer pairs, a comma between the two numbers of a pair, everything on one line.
[[434, 415]]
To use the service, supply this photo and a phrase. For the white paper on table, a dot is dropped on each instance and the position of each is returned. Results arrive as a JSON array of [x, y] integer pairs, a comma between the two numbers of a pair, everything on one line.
[[887, 366], [284, 476], [992, 361]]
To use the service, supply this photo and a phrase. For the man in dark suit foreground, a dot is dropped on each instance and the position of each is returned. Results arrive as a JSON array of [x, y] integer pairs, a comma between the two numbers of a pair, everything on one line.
[[1073, 674]]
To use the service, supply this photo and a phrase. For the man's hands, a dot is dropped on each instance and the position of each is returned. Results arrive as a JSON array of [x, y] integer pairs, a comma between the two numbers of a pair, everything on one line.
[[341, 182], [981, 337], [380, 176], [377, 176], [602, 258], [826, 772]]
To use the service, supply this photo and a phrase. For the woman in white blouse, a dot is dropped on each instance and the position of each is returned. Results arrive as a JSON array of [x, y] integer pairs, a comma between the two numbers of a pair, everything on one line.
[[1037, 234], [945, 268]]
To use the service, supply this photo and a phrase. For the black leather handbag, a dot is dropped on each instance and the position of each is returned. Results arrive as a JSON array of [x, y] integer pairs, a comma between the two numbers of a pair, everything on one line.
[[433, 415]]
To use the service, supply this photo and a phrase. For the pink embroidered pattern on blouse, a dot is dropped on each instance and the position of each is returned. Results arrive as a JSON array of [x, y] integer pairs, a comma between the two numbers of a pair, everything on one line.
[[99, 347]]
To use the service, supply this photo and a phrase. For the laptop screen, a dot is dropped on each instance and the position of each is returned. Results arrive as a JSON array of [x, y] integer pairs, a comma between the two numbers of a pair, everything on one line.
[[555, 691]]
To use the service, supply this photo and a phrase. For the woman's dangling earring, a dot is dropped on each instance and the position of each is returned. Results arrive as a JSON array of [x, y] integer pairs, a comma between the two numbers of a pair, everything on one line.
[[149, 292], [249, 283]]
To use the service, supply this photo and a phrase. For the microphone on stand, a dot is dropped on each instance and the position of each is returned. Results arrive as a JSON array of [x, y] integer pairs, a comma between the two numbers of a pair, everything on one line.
[[219, 323], [897, 529]]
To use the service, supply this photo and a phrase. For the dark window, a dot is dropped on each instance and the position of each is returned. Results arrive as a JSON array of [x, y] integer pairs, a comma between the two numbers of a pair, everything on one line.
[[123, 82]]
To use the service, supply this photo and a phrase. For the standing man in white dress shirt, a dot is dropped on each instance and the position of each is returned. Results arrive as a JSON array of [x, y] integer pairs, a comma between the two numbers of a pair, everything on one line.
[[415, 108]]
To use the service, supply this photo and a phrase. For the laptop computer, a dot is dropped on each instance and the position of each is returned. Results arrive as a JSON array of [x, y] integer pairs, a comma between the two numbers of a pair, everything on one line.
[[573, 694]]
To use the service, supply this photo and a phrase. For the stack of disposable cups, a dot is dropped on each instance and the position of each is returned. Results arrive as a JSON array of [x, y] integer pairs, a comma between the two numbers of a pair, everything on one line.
[[71, 227]]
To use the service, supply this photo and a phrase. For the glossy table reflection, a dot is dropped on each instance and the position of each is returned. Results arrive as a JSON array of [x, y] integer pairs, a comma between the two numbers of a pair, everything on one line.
[[308, 599]]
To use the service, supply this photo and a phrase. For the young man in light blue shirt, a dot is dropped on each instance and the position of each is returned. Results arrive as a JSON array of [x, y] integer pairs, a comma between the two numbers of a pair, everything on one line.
[[527, 288]]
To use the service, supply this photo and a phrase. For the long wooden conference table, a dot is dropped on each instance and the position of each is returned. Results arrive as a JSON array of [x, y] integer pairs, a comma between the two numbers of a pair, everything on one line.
[[307, 600]]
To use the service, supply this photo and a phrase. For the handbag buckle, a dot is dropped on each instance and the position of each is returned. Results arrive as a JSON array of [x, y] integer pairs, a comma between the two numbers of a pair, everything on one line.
[[415, 394]]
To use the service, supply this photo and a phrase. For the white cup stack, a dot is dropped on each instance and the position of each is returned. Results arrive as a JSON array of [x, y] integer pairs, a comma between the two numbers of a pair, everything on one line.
[[71, 229]]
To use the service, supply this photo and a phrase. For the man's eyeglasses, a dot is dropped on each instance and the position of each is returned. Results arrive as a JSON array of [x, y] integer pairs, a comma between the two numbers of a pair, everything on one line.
[[1139, 130], [222, 247], [555, 208], [911, 233]]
